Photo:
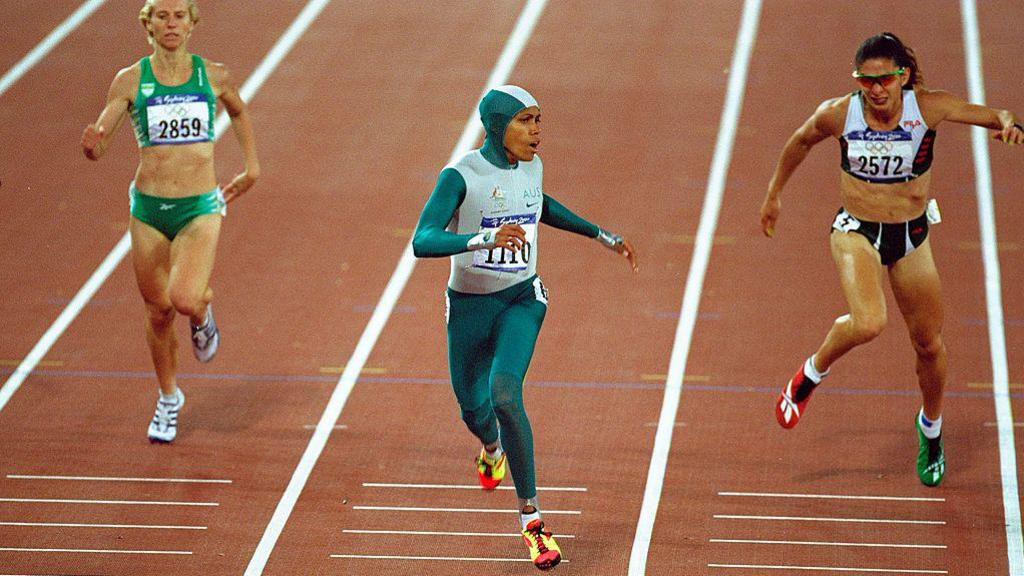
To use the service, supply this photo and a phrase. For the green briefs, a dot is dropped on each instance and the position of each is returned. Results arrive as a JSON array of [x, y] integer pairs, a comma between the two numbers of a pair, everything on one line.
[[171, 215]]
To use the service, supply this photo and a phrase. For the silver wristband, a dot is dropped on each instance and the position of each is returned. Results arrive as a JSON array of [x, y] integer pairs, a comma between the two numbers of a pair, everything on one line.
[[482, 241], [610, 240]]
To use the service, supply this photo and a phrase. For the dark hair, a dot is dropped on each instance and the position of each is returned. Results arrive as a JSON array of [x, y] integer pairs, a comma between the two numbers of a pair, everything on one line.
[[887, 45]]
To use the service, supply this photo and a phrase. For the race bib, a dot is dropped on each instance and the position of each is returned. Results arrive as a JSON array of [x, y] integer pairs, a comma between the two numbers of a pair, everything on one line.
[[880, 156], [501, 258], [178, 119]]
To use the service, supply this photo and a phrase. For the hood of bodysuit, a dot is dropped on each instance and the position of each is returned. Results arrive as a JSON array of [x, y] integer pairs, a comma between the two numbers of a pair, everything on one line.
[[497, 109]]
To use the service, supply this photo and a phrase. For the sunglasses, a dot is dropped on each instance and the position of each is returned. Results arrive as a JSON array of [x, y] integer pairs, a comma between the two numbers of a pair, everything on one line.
[[886, 80]]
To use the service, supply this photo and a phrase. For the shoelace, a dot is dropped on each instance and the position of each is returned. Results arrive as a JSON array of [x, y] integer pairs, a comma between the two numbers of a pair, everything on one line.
[[934, 451], [538, 537], [163, 411], [201, 336]]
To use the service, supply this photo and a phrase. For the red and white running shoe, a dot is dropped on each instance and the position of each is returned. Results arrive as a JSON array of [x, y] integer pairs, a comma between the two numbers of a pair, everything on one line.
[[788, 409]]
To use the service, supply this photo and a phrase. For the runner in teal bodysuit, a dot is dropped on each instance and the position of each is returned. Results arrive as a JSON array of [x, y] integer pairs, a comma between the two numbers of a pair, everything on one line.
[[484, 213]]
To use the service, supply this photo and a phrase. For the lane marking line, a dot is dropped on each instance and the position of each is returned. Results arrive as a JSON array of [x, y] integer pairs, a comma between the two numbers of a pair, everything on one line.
[[827, 519], [120, 250], [800, 543], [428, 558], [993, 295], [71, 525], [727, 127], [43, 363], [429, 533], [828, 569], [468, 487], [115, 502], [832, 496], [48, 43], [82, 551], [118, 479], [403, 270], [469, 510]]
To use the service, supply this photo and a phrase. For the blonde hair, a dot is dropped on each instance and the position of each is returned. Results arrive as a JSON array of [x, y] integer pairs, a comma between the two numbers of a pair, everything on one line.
[[146, 14]]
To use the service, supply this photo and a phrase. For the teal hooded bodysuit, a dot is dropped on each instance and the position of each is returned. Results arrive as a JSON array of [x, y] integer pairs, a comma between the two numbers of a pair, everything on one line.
[[480, 192], [495, 302]]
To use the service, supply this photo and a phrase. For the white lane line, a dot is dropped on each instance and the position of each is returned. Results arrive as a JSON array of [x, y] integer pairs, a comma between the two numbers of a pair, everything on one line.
[[846, 544], [120, 250], [828, 569], [993, 296], [431, 558], [117, 502], [85, 551], [128, 526], [694, 284], [468, 487], [118, 479], [506, 62], [469, 510], [313, 427], [827, 519], [429, 533], [48, 43], [832, 496]]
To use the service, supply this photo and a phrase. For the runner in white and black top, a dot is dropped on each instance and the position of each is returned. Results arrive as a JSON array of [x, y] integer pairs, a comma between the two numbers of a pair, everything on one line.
[[886, 131]]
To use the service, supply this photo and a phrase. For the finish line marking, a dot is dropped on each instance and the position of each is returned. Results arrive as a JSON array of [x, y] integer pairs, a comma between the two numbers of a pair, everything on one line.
[[468, 487], [831, 496]]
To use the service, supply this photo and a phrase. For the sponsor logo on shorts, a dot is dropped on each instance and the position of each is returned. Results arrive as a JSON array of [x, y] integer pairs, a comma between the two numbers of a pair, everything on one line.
[[167, 206]]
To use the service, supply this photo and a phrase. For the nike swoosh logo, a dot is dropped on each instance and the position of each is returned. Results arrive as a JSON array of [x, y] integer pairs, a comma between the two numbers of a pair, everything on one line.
[[528, 205]]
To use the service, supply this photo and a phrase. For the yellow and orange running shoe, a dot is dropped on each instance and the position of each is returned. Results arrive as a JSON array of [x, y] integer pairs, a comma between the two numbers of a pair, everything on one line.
[[543, 550], [491, 472]]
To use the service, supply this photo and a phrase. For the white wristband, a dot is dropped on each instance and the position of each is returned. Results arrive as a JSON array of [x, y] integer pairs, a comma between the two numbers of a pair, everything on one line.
[[610, 240], [482, 241]]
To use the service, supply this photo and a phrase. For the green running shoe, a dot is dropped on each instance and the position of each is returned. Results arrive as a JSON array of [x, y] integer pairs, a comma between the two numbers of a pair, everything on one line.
[[931, 458]]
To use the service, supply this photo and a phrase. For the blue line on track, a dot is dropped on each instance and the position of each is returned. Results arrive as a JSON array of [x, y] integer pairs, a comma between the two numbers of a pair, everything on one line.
[[313, 378]]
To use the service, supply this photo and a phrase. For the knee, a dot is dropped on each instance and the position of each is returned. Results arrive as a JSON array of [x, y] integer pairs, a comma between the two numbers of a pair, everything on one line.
[[507, 397], [867, 327], [928, 346], [159, 316], [188, 301]]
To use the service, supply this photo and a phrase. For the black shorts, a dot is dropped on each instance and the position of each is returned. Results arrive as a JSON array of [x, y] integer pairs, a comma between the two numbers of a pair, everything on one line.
[[893, 241]]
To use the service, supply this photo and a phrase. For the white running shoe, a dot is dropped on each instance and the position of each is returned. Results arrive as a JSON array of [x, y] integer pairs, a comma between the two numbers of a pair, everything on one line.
[[164, 426], [206, 339]]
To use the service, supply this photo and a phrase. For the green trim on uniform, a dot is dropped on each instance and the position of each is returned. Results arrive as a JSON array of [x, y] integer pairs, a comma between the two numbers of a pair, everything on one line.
[[188, 110], [491, 339], [171, 215]]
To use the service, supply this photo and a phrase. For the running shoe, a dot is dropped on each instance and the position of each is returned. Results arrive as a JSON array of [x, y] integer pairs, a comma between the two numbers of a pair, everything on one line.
[[544, 551], [491, 472], [206, 339], [931, 457], [164, 426], [793, 401]]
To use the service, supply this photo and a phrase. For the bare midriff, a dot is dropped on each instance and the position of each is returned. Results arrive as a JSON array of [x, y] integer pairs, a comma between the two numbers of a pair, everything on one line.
[[176, 171], [889, 203]]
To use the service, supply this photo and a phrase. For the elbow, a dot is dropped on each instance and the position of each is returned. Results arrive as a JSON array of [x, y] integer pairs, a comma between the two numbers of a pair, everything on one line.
[[418, 248]]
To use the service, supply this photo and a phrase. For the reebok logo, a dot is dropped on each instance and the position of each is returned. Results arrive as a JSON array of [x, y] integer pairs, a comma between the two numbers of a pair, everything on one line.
[[167, 206]]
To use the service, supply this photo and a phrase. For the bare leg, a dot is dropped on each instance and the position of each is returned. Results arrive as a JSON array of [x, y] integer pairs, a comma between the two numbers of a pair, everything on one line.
[[860, 275], [191, 265], [918, 291], [151, 261]]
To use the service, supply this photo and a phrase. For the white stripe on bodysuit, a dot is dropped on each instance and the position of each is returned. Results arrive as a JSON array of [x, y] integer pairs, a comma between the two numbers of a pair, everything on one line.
[[519, 94]]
